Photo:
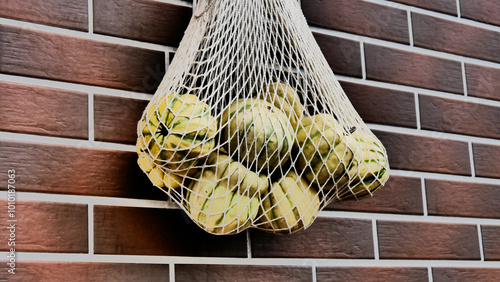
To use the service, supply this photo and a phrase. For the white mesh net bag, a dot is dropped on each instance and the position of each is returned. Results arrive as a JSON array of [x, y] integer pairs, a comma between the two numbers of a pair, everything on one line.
[[250, 128]]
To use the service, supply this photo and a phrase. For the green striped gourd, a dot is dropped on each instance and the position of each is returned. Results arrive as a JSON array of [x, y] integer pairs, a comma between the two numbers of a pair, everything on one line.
[[285, 98]]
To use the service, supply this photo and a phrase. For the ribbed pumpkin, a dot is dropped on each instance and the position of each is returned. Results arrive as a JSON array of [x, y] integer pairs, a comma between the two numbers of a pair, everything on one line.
[[257, 132], [285, 98]]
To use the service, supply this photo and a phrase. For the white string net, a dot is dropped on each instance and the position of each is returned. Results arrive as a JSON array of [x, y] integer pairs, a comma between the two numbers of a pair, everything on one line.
[[250, 128]]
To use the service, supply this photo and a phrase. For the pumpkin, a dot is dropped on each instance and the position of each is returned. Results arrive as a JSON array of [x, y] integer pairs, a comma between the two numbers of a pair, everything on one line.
[[285, 98], [156, 174]]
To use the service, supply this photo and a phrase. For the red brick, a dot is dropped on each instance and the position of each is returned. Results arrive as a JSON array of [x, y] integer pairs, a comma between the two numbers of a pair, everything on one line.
[[381, 105], [143, 20], [116, 118], [75, 170], [45, 111], [325, 238], [359, 17], [370, 274], [343, 55], [60, 57], [412, 152], [486, 160], [491, 242], [442, 274], [454, 198], [457, 38], [149, 231], [444, 6], [47, 227], [487, 11], [242, 273], [424, 240], [61, 13], [413, 69], [482, 81], [455, 116]]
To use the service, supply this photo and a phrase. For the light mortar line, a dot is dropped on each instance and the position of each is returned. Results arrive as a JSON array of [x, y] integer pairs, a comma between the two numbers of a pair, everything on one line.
[[424, 196], [417, 110], [410, 27], [480, 236], [375, 239], [443, 176], [429, 274], [91, 117], [363, 62], [249, 244], [171, 272], [471, 158], [91, 16], [91, 228], [175, 2], [459, 12], [313, 270], [464, 78]]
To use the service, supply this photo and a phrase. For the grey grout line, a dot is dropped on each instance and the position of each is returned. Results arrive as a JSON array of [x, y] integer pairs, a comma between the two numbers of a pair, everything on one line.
[[91, 16], [464, 78], [480, 238], [410, 27], [363, 62], [471, 159], [429, 274], [417, 110], [375, 240], [249, 244], [424, 196], [90, 223], [459, 12], [313, 270], [91, 117], [171, 272]]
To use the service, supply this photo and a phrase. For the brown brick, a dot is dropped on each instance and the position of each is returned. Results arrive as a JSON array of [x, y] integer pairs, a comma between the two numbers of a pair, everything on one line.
[[370, 274], [46, 227], [454, 198], [143, 20], [343, 55], [243, 273], [486, 160], [60, 57], [408, 68], [115, 118], [465, 274], [45, 111], [149, 231], [482, 81], [325, 238], [358, 17], [455, 116], [412, 152], [381, 105], [89, 271], [491, 242], [487, 11], [399, 195], [452, 37], [424, 240], [61, 13], [444, 6], [75, 170]]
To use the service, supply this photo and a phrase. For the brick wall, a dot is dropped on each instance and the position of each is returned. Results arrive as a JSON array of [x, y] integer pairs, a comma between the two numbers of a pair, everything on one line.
[[75, 76]]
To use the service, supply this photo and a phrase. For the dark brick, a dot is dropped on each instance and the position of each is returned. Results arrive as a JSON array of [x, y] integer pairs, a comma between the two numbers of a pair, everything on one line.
[[370, 274], [454, 198], [381, 105], [491, 242], [143, 20], [444, 6], [486, 160], [457, 38], [455, 116], [343, 55], [116, 118], [482, 81], [487, 11], [325, 238], [75, 170], [465, 274], [408, 68], [60, 57], [45, 111], [358, 17], [412, 152], [46, 227], [243, 273], [424, 240], [61, 13]]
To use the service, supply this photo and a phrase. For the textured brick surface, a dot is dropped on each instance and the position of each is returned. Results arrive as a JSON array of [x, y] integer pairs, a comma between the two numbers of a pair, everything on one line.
[[444, 6], [483, 81], [423, 240], [143, 20], [452, 37], [412, 152], [115, 118], [325, 238], [399, 195], [481, 10], [62, 13], [455, 116], [359, 17], [454, 198], [465, 274], [486, 160], [381, 105], [47, 227], [491, 242], [343, 55], [243, 273], [148, 231], [413, 69], [370, 274], [75, 170], [41, 110], [60, 57]]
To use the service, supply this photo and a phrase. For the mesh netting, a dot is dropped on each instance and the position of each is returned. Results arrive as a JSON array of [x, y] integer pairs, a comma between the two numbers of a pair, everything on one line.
[[250, 128]]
